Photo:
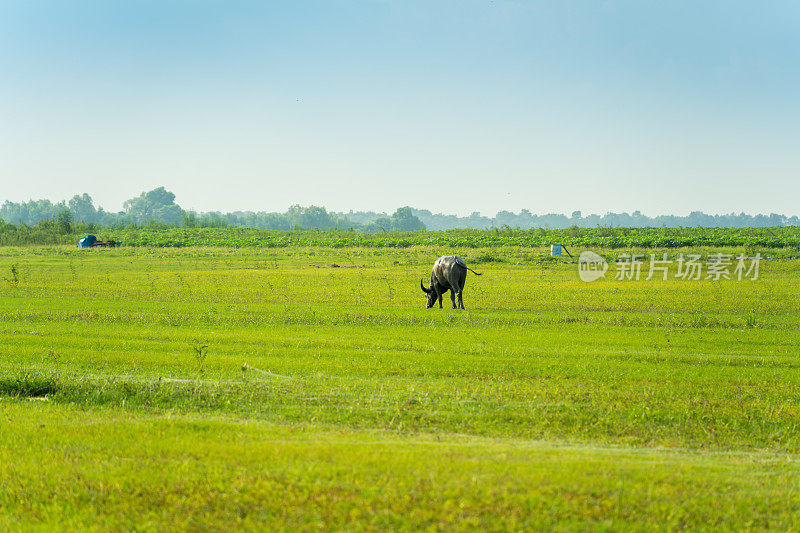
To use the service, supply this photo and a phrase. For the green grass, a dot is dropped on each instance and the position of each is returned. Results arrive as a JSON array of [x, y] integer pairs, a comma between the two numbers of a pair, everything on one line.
[[213, 387], [117, 469]]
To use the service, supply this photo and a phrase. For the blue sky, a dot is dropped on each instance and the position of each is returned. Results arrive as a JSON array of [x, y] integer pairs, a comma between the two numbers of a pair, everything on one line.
[[663, 107]]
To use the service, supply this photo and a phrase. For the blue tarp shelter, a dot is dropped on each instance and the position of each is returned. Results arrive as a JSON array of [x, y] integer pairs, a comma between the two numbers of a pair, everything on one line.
[[87, 242]]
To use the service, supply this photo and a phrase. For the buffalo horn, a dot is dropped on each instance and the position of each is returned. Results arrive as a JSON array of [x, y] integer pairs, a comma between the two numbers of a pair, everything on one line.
[[426, 291]]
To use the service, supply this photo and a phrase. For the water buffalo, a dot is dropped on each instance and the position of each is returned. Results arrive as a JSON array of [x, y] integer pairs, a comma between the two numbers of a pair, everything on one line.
[[449, 273]]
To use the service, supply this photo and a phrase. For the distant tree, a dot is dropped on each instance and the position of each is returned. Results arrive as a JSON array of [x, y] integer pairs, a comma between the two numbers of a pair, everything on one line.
[[160, 196], [384, 223], [777, 220], [30, 212], [404, 220], [310, 217], [506, 219], [82, 207], [189, 219], [157, 205], [275, 221], [476, 221], [213, 220], [63, 220]]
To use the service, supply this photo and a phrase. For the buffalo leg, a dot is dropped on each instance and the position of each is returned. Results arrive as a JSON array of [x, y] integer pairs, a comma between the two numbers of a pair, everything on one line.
[[453, 297], [440, 300], [460, 299]]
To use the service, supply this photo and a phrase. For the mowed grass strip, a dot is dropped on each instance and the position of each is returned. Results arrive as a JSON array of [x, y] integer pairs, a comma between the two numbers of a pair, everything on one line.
[[64, 469]]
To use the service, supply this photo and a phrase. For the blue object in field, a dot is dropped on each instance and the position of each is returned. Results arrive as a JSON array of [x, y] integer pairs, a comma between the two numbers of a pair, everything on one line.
[[87, 242]]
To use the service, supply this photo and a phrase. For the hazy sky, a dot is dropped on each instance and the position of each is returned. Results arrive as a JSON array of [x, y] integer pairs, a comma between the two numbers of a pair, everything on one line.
[[664, 107]]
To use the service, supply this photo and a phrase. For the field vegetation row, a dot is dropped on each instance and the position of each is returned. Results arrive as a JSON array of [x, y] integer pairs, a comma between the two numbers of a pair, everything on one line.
[[44, 233]]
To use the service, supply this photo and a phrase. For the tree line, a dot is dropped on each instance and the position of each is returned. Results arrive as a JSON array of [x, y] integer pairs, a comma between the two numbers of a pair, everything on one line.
[[158, 208]]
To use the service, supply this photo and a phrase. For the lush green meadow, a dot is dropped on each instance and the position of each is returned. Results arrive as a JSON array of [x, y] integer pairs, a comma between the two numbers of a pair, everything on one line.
[[306, 386]]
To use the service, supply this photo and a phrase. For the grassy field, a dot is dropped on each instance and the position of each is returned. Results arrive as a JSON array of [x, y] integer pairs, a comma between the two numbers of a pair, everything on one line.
[[307, 387]]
